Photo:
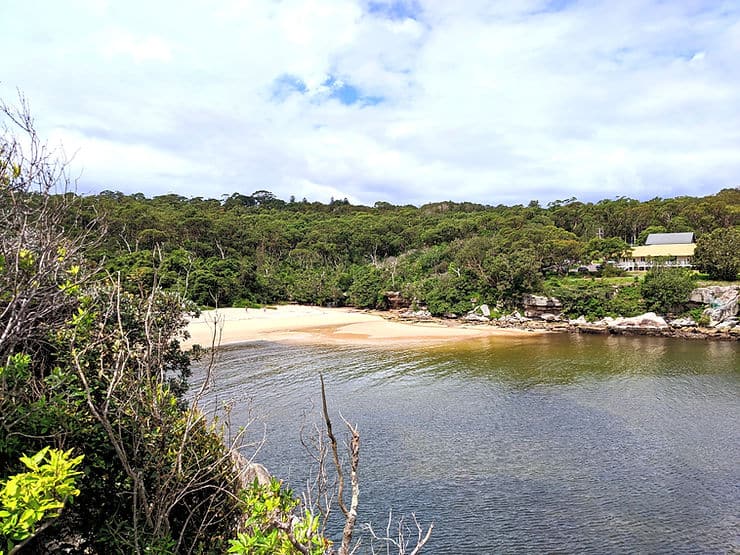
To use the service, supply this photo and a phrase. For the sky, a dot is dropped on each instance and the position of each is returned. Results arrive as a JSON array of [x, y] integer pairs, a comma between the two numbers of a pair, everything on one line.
[[402, 101]]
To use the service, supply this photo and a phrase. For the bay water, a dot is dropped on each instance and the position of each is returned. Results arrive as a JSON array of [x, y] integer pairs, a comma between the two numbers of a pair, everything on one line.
[[541, 444]]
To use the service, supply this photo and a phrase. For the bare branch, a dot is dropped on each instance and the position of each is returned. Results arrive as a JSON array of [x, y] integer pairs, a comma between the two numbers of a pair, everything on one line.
[[400, 541], [334, 450]]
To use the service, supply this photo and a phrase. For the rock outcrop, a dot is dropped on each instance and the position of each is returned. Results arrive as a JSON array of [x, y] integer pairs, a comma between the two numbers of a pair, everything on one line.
[[249, 471], [395, 300], [474, 317], [480, 313], [535, 306], [649, 320], [421, 314], [644, 324], [723, 301], [682, 323]]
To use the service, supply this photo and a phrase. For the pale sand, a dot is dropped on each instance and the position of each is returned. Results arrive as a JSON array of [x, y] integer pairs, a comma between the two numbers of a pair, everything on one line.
[[310, 324]]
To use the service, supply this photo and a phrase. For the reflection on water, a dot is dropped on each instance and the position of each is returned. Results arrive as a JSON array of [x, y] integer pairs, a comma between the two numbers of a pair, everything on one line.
[[519, 445]]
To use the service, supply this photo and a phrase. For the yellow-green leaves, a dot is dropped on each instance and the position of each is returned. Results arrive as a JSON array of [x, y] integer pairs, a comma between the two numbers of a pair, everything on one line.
[[30, 497], [26, 259], [17, 367], [271, 513]]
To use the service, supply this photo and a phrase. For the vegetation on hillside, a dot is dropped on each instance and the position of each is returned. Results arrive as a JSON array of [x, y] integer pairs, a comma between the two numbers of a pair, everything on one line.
[[242, 250]]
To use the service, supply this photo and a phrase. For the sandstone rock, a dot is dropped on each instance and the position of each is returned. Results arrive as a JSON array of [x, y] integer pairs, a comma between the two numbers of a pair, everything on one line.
[[417, 314], [549, 317], [727, 324], [485, 310], [723, 301], [473, 317], [395, 300], [648, 320], [705, 295], [593, 328], [249, 471], [256, 471], [541, 301], [537, 305], [723, 307], [515, 318], [683, 323]]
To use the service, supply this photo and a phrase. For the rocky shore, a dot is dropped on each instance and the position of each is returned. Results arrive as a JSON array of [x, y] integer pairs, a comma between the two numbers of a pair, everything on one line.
[[719, 319]]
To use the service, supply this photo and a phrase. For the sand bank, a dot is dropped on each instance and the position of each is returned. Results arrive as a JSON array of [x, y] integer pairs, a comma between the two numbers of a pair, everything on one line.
[[310, 324]]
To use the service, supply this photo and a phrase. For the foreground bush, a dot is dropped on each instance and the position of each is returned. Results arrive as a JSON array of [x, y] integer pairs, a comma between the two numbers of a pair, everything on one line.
[[91, 368], [29, 500]]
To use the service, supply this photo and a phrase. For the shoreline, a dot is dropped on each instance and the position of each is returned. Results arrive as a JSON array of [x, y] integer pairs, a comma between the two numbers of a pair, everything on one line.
[[590, 328], [350, 326], [311, 324]]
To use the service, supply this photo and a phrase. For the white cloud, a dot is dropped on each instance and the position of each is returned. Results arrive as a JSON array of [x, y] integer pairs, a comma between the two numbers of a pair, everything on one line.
[[119, 42], [492, 102]]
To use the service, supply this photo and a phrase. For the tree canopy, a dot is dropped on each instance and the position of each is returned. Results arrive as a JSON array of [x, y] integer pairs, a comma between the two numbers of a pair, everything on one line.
[[255, 248]]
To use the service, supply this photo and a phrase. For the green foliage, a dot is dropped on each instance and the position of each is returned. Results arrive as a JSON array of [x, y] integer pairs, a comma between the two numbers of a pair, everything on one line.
[[90, 361], [17, 369], [611, 270], [260, 249], [605, 249], [626, 301], [595, 299], [368, 285], [667, 290], [245, 303], [697, 314], [272, 513], [448, 294], [718, 254], [30, 498]]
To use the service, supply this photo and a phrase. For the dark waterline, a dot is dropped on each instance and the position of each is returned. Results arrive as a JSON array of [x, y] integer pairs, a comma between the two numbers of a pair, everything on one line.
[[545, 444]]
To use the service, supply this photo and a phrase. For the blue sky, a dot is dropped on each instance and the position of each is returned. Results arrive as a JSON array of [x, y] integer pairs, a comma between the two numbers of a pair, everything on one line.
[[406, 101]]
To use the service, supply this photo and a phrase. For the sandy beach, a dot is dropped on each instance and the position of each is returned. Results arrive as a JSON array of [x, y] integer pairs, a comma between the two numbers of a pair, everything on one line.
[[311, 324]]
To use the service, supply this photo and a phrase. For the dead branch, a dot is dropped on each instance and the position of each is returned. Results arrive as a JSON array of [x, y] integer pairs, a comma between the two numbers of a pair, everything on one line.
[[334, 450], [350, 515], [401, 540]]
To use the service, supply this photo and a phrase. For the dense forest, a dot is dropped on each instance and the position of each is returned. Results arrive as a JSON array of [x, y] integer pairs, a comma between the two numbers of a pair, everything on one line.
[[247, 249]]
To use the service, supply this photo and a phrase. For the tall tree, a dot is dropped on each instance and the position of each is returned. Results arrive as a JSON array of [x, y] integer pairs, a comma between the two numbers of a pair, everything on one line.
[[718, 253]]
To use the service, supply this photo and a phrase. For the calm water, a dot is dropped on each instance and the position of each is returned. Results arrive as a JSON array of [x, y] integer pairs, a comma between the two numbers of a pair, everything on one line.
[[556, 444]]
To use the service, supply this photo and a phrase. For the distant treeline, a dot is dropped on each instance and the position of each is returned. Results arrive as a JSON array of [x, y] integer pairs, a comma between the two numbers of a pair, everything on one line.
[[257, 248]]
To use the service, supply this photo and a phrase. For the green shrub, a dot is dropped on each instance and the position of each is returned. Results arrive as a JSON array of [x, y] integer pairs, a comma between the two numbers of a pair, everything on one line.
[[40, 494], [595, 299], [245, 303], [626, 302], [448, 293], [667, 290], [368, 285], [696, 314], [272, 512], [611, 270]]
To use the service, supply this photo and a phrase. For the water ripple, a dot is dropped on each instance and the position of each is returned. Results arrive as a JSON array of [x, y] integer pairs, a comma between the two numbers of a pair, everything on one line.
[[545, 445]]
